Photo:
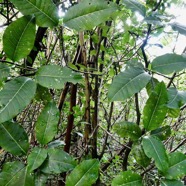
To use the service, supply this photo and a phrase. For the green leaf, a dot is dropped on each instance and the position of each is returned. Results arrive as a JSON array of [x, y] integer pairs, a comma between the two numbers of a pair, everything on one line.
[[178, 27], [16, 174], [18, 39], [135, 5], [134, 64], [162, 133], [58, 161], [173, 113], [168, 63], [171, 183], [46, 125], [151, 85], [127, 83], [40, 179], [36, 158], [4, 71], [152, 19], [127, 178], [155, 109], [43, 94], [45, 11], [176, 98], [15, 96], [140, 156], [87, 14], [13, 138], [128, 129], [54, 76], [155, 149], [86, 173], [177, 165]]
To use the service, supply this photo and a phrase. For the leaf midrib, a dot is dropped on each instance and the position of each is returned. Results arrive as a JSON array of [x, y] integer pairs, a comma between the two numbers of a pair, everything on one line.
[[142, 73], [41, 11], [14, 96], [156, 152], [13, 139], [20, 39], [85, 174], [154, 110], [168, 64], [88, 14]]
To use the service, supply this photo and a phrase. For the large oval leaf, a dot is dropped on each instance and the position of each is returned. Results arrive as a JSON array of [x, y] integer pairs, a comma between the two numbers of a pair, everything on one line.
[[127, 178], [13, 138], [169, 63], [36, 158], [128, 129], [87, 14], [176, 98], [46, 125], [45, 11], [16, 174], [58, 161], [86, 173], [4, 71], [135, 5], [127, 83], [155, 149], [15, 96], [54, 76], [177, 166], [155, 109], [18, 39]]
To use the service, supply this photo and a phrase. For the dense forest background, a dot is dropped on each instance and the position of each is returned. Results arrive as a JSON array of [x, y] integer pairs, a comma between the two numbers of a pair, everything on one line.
[[92, 92]]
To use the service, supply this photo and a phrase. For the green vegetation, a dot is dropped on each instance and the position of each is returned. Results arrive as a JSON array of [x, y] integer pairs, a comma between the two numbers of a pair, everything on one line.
[[82, 100]]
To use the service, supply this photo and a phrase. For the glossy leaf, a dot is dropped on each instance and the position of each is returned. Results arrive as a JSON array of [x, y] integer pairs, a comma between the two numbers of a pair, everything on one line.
[[135, 5], [87, 14], [176, 98], [58, 161], [177, 166], [155, 109], [86, 173], [128, 129], [127, 83], [169, 63], [46, 125], [4, 71], [171, 183], [54, 76], [155, 149], [140, 156], [127, 178], [45, 11], [162, 133], [179, 27], [15, 96], [13, 138], [16, 174], [36, 158], [18, 39]]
